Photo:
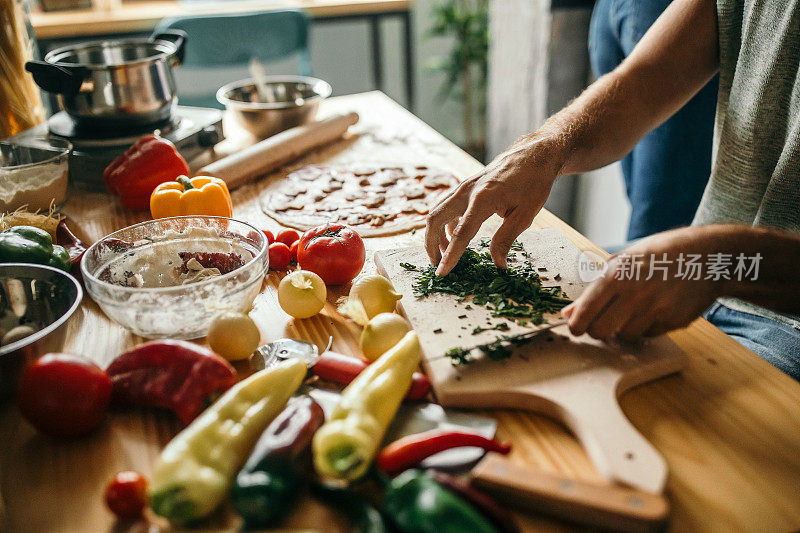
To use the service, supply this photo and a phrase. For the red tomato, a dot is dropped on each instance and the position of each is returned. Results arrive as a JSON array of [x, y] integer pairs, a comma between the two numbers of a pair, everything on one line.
[[334, 252], [279, 256], [287, 237], [126, 495], [293, 250], [270, 236], [64, 395]]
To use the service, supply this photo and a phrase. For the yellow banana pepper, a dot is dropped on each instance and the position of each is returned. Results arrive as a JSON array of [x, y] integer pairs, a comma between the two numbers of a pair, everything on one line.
[[346, 444], [203, 195], [196, 470]]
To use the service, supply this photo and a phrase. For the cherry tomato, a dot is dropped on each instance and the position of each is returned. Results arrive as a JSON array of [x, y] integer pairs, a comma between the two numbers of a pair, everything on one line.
[[126, 495], [287, 237], [334, 252], [64, 395], [279, 256], [293, 250], [270, 236]]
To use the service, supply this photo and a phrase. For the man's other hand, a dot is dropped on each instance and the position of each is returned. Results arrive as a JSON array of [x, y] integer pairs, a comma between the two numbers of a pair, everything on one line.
[[649, 288]]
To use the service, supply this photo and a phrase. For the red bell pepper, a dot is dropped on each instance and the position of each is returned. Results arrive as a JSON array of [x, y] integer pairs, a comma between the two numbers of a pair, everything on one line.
[[408, 452], [339, 368], [134, 175], [176, 375]]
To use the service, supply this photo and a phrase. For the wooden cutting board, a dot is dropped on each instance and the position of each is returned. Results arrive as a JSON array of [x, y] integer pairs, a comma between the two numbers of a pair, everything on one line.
[[576, 380]]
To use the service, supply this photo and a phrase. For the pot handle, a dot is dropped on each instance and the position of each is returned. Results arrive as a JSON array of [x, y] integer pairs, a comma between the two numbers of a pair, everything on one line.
[[58, 79], [176, 37]]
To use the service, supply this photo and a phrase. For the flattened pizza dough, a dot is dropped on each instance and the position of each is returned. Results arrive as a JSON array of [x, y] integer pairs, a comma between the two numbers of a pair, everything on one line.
[[374, 200]]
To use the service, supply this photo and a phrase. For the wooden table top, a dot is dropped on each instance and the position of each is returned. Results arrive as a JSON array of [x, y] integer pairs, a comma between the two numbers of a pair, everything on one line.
[[728, 425], [142, 16]]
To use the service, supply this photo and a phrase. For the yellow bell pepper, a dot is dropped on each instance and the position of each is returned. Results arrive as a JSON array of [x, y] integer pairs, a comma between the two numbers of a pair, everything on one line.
[[346, 444], [196, 470], [203, 195]]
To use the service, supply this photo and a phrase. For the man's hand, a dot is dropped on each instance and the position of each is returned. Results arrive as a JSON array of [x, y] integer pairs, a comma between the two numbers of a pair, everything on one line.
[[625, 303], [515, 186]]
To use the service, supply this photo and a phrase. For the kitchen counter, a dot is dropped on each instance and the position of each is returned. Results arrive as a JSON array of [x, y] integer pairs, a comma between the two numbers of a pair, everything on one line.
[[728, 425]]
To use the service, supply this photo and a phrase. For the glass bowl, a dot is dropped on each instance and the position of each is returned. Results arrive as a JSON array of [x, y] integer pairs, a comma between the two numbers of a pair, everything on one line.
[[131, 274], [33, 172]]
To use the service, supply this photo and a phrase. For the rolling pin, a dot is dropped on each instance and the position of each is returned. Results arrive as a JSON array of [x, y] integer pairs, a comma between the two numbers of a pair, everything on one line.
[[274, 152]]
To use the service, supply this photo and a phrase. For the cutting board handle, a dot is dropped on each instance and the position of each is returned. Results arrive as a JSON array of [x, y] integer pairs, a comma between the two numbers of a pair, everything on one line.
[[607, 506], [619, 452]]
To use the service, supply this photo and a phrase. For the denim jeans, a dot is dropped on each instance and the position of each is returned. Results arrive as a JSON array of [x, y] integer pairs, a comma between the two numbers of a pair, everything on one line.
[[666, 173], [775, 342]]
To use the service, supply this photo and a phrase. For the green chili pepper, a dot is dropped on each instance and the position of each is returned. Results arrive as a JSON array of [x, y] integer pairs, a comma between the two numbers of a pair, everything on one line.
[[27, 244], [416, 503], [364, 518]]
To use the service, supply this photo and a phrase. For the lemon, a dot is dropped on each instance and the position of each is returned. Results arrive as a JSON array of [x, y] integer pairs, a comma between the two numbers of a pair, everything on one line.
[[382, 333], [302, 294], [233, 335]]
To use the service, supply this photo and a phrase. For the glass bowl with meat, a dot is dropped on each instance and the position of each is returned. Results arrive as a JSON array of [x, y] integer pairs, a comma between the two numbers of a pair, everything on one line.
[[167, 278]]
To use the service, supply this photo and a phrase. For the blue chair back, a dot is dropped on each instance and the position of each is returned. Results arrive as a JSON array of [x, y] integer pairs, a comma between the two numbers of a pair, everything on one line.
[[226, 40]]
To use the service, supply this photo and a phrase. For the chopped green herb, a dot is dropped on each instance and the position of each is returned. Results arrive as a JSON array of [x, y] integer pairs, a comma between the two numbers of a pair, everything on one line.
[[515, 292], [458, 356], [502, 326]]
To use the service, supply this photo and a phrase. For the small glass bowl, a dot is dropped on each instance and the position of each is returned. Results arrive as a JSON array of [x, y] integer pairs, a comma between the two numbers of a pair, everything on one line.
[[34, 172], [179, 311]]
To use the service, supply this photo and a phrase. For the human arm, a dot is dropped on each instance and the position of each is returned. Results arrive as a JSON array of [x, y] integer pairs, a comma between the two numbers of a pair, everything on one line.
[[632, 308], [673, 61]]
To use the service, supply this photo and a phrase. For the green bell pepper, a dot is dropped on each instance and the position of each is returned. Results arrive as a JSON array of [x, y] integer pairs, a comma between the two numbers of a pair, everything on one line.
[[416, 503], [364, 518], [27, 244]]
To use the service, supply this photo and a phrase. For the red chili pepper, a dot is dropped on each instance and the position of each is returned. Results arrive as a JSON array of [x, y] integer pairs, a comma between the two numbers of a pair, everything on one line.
[[176, 375], [134, 175], [410, 451], [340, 368], [72, 244]]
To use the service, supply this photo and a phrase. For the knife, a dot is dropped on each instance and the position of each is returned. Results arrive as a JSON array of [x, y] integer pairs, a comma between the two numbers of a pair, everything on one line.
[[512, 340]]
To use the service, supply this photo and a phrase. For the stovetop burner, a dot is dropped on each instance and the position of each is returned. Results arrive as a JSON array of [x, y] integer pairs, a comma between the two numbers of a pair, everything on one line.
[[193, 130], [63, 125]]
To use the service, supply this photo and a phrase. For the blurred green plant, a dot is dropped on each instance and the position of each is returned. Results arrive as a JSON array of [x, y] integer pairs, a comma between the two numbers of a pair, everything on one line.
[[466, 66]]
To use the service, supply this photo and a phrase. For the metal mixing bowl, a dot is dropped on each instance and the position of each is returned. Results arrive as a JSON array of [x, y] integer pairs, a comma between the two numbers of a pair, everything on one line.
[[38, 296], [290, 101]]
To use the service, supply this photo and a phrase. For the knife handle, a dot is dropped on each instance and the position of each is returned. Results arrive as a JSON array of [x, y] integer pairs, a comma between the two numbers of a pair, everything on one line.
[[607, 506], [339, 368]]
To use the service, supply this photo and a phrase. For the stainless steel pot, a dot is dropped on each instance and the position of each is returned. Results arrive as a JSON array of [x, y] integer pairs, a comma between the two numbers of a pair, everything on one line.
[[114, 83]]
